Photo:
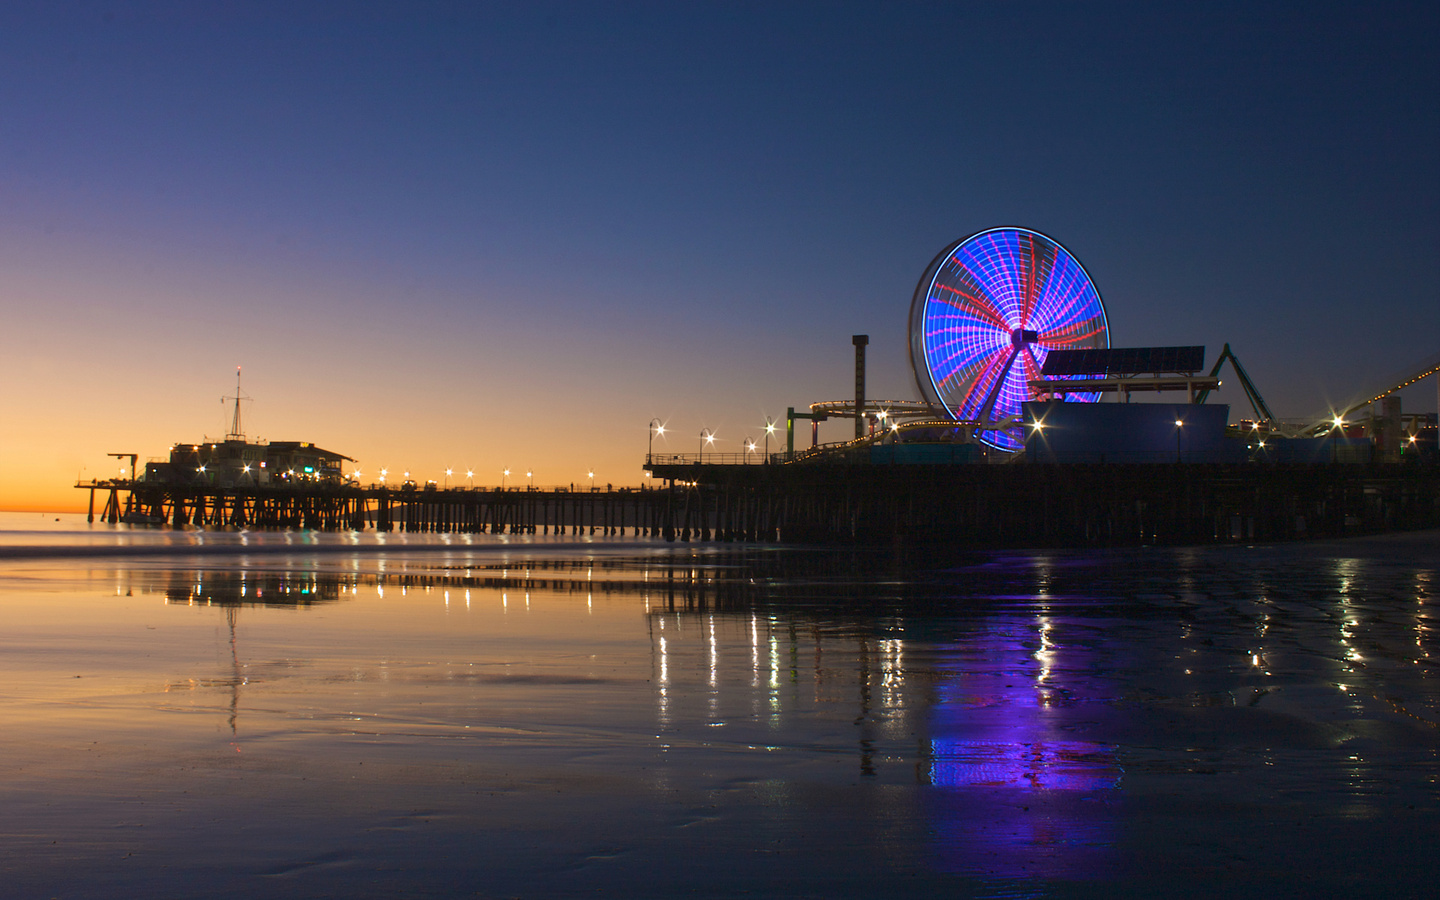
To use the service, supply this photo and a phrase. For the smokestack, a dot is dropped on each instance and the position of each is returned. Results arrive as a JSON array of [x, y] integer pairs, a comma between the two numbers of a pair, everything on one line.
[[860, 340]]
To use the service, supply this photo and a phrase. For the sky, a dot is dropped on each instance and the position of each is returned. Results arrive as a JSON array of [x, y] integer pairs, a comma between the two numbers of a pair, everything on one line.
[[508, 236]]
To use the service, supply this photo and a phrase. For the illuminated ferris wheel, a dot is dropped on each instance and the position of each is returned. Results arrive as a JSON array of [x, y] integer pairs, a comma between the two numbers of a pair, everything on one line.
[[986, 313]]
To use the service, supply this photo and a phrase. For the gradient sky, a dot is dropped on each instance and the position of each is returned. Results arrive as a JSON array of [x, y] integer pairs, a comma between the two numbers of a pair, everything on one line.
[[487, 236]]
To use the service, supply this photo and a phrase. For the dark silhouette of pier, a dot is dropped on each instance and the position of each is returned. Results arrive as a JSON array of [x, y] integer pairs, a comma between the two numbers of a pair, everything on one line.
[[1063, 505]]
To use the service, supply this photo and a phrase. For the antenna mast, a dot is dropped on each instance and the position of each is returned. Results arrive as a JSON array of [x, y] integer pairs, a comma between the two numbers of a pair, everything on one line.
[[235, 433]]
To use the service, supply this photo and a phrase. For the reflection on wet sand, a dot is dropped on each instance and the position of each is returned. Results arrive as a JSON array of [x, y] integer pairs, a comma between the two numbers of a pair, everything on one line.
[[933, 718], [1009, 725], [975, 723]]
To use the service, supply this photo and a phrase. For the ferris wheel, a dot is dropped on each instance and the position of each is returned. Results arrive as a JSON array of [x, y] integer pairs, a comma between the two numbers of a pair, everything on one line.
[[986, 312]]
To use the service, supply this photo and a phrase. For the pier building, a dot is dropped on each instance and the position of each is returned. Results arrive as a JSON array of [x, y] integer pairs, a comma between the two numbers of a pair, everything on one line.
[[235, 463]]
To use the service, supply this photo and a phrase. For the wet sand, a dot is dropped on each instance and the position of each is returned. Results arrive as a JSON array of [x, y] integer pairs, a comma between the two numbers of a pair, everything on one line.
[[640, 720]]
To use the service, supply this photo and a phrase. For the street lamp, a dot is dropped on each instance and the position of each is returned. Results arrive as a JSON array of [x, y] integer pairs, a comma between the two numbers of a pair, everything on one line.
[[706, 437], [504, 475], [769, 430], [531, 476], [592, 482], [1178, 424], [383, 473], [470, 478], [749, 449], [448, 473], [656, 427]]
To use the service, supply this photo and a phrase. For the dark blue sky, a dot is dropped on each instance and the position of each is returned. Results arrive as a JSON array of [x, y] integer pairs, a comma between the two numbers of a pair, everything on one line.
[[580, 216]]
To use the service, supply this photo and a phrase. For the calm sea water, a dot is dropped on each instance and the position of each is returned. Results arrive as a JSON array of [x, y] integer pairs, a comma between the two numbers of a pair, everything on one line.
[[295, 714]]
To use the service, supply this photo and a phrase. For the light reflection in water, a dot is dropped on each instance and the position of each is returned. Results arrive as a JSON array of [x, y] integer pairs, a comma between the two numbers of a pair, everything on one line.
[[991, 718], [977, 721], [1021, 791]]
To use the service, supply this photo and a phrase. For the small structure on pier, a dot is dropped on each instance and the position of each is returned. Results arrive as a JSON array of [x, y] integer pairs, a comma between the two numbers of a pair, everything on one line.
[[239, 463]]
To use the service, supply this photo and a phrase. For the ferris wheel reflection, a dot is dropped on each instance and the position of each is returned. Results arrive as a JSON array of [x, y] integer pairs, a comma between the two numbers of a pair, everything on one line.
[[981, 725]]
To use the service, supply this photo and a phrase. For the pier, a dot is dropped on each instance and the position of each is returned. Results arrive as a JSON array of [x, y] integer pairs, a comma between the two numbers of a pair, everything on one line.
[[958, 505], [341, 507]]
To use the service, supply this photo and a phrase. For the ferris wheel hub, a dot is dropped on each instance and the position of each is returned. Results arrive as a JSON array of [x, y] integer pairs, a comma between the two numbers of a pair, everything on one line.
[[1020, 337]]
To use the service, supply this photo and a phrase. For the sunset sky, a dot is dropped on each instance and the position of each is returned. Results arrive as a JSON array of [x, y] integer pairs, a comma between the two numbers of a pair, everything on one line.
[[509, 235]]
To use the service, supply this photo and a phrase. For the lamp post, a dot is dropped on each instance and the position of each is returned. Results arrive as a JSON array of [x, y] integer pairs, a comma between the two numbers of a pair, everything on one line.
[[383, 473], [656, 427], [592, 481], [769, 430], [1178, 424], [470, 478], [706, 437], [749, 449], [504, 475], [448, 473], [530, 485]]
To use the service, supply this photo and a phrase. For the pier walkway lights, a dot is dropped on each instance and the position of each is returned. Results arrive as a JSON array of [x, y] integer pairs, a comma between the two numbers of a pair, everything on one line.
[[383, 473], [769, 430], [656, 427], [706, 437], [749, 448], [592, 481], [448, 473], [504, 474], [470, 478]]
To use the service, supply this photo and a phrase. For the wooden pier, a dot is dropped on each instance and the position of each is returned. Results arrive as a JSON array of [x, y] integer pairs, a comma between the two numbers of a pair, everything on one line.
[[354, 508], [1071, 505], [960, 505]]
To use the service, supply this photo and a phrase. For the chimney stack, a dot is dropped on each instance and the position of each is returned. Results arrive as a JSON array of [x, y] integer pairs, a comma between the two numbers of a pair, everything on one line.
[[860, 340]]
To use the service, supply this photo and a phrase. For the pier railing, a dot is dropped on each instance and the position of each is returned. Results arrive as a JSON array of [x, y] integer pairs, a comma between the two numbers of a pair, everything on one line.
[[712, 459]]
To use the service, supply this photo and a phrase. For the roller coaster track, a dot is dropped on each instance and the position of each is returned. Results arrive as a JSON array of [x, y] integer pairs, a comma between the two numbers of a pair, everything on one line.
[[1418, 372], [1423, 370]]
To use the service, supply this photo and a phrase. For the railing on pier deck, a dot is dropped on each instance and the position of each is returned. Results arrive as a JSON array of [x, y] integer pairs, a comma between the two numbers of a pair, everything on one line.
[[707, 458]]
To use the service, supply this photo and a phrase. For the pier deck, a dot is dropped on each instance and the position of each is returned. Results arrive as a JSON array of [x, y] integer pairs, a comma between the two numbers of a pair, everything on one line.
[[952, 505]]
